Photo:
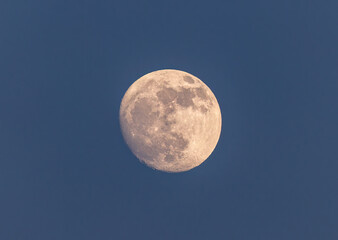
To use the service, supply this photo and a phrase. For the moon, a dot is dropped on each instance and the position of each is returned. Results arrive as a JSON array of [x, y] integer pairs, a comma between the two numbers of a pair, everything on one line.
[[170, 120]]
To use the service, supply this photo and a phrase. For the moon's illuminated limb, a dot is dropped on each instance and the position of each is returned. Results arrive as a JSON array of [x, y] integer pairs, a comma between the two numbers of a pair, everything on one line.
[[170, 120]]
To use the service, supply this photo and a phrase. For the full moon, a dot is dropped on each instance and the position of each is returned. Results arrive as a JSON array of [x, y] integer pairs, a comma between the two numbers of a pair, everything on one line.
[[170, 120]]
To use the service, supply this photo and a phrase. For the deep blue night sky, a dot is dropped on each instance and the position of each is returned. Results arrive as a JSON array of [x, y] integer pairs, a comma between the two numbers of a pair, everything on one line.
[[65, 171]]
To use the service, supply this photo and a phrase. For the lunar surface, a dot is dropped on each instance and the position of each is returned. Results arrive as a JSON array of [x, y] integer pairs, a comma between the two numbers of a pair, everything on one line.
[[170, 120]]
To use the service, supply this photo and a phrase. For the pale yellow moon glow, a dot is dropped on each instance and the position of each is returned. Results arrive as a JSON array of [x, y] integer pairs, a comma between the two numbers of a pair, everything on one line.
[[170, 120]]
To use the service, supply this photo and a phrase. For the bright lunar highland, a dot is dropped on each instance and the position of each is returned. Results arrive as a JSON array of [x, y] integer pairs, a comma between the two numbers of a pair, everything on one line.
[[170, 120]]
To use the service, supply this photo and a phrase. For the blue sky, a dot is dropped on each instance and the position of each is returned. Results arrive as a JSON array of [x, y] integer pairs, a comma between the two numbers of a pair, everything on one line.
[[65, 171]]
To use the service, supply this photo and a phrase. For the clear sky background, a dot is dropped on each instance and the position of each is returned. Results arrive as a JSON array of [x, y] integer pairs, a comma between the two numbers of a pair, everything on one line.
[[65, 171]]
